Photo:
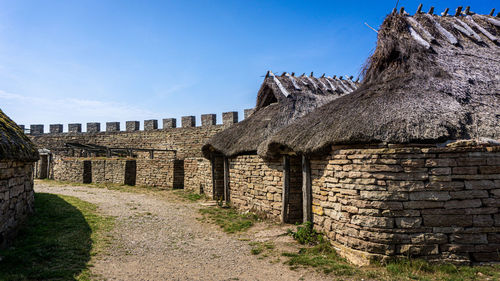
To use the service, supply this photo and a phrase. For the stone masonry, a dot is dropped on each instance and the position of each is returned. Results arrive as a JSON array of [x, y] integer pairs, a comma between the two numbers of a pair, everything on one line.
[[16, 197], [436, 203]]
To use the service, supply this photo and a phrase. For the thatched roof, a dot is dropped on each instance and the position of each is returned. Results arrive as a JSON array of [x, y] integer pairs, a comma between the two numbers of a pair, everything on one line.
[[280, 101], [430, 79], [14, 144]]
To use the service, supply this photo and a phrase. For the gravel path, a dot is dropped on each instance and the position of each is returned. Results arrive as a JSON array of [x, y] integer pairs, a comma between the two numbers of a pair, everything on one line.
[[159, 238]]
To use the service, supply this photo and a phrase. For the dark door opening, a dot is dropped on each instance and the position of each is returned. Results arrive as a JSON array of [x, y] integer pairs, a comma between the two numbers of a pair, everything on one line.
[[293, 178], [218, 177]]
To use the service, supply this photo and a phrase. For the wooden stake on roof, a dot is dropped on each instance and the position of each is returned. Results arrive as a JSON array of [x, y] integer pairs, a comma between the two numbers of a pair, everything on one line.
[[267, 74], [283, 74], [431, 11], [419, 9], [303, 74], [402, 10], [445, 13], [312, 74], [492, 12], [334, 76], [467, 10], [458, 11], [293, 74], [350, 77], [394, 11], [323, 76]]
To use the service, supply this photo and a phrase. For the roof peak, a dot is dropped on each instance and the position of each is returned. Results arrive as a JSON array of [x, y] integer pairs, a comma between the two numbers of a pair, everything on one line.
[[459, 11]]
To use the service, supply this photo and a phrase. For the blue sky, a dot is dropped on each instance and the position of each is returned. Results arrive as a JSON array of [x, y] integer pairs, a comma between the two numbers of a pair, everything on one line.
[[97, 61]]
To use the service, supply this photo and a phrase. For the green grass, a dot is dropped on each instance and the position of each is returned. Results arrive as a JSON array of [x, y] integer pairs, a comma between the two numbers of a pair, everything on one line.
[[228, 219], [57, 241], [416, 269], [190, 196], [306, 234], [321, 256]]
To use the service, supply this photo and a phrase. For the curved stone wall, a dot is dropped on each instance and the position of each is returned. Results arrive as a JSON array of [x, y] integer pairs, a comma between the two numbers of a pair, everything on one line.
[[16, 197]]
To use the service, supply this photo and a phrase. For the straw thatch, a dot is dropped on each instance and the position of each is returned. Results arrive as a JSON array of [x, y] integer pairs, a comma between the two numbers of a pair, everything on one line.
[[14, 144], [280, 101], [422, 85]]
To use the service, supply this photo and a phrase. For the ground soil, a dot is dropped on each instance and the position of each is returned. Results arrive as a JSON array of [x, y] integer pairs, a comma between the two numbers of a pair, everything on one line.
[[161, 238]]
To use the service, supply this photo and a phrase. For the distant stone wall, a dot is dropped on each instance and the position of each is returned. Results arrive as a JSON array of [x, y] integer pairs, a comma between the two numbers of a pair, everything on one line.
[[114, 170], [160, 173], [16, 196], [198, 176], [436, 203], [72, 169]]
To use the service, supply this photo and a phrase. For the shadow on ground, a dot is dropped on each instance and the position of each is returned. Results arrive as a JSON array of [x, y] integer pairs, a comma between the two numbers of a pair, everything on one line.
[[54, 244]]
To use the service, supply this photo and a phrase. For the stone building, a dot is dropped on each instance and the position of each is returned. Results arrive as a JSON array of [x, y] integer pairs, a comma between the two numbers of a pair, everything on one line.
[[406, 165], [243, 177], [17, 158]]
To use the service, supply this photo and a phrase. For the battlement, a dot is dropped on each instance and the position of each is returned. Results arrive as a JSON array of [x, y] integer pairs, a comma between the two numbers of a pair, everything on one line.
[[227, 118]]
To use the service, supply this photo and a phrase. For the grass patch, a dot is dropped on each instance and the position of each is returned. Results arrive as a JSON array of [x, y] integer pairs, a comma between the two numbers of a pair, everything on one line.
[[417, 269], [322, 257], [190, 196], [306, 234], [57, 241], [228, 219], [259, 247]]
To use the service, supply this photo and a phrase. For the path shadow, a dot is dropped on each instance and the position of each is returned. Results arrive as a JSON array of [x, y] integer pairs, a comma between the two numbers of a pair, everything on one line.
[[54, 244]]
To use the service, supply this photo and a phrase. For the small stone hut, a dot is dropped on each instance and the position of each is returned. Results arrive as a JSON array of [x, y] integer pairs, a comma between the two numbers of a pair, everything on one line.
[[17, 158], [247, 180], [409, 163]]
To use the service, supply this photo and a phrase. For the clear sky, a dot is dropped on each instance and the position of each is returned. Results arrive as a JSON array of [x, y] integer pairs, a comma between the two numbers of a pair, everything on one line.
[[102, 60]]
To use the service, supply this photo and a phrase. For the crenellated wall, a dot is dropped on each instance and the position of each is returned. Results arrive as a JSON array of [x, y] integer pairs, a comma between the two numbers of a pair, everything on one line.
[[186, 141]]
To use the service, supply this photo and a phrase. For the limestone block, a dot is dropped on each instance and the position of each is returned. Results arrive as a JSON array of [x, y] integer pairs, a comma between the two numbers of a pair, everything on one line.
[[74, 128], [408, 222]]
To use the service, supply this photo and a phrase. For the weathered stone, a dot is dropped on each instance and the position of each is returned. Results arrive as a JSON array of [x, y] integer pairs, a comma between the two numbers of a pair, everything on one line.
[[479, 184], [368, 221], [462, 204], [449, 220], [468, 238], [383, 195], [468, 194], [430, 196], [408, 222]]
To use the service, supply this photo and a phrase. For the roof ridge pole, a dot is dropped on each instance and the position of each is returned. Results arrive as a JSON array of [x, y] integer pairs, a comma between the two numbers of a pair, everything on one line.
[[484, 31], [418, 26], [452, 39], [419, 9], [458, 11]]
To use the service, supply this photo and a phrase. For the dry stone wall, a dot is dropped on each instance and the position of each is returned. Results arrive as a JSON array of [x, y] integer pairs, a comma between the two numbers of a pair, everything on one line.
[[436, 203], [198, 176], [160, 173], [187, 142], [72, 169], [16, 197], [109, 170], [256, 185]]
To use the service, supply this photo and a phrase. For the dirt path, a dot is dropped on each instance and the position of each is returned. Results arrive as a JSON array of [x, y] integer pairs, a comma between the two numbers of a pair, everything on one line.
[[159, 238]]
